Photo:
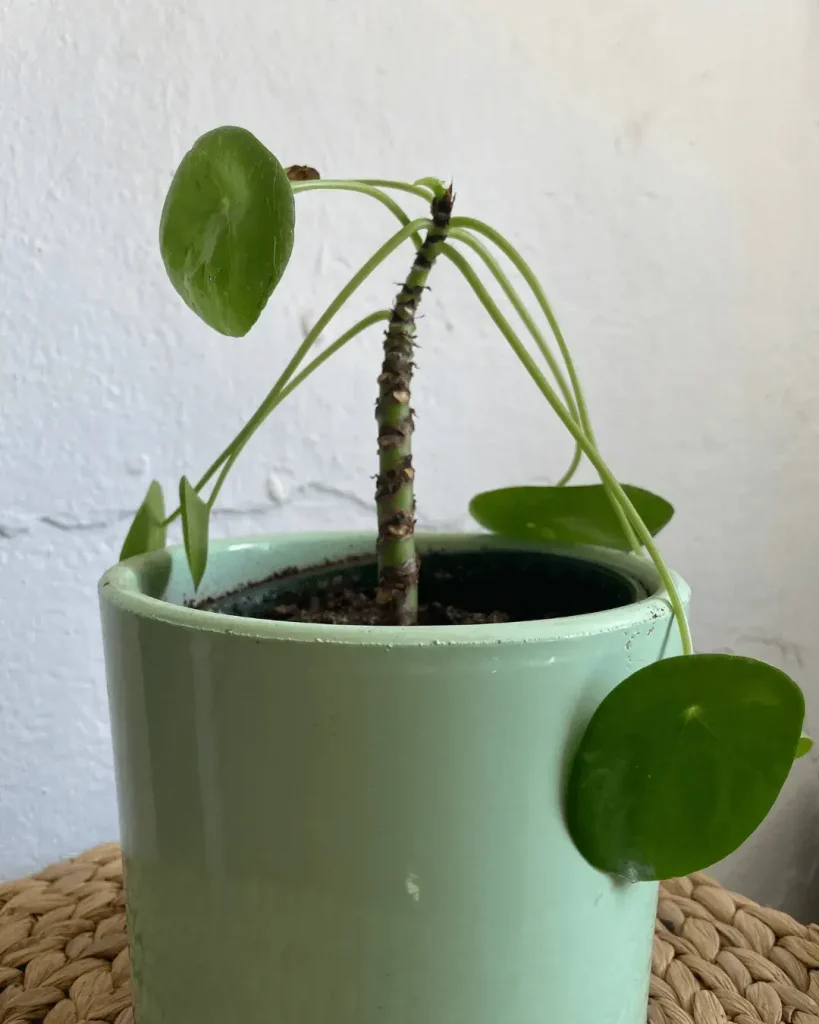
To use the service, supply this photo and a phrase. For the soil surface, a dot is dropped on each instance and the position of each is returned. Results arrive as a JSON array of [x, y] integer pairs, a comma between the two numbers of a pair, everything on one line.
[[350, 607], [457, 588]]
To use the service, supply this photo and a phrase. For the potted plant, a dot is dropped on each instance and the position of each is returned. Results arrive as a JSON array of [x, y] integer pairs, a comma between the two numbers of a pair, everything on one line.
[[358, 785]]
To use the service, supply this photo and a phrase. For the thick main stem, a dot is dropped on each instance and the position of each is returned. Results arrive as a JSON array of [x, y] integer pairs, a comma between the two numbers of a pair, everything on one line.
[[395, 491]]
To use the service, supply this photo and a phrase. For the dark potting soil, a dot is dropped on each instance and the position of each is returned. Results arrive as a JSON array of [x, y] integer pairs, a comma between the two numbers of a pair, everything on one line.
[[348, 607], [457, 588]]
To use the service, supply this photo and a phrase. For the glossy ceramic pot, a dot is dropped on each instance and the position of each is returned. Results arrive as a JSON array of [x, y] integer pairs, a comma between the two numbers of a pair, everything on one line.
[[352, 825]]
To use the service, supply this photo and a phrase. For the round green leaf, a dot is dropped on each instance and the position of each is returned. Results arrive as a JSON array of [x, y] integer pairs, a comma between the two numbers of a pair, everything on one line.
[[575, 515], [804, 746], [680, 763], [226, 232], [195, 517], [147, 532]]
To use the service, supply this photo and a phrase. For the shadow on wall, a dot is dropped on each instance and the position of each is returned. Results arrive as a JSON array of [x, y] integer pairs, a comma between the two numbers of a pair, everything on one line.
[[802, 881], [756, 870], [778, 866]]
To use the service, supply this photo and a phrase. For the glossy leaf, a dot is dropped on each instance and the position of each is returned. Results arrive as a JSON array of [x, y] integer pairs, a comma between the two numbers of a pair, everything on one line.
[[680, 763], [804, 746], [147, 532], [195, 516], [575, 515], [226, 232]]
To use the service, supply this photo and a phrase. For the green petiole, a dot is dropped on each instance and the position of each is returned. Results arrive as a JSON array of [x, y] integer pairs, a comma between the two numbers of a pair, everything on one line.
[[352, 184], [462, 235], [287, 388], [299, 379], [526, 272], [520, 264], [271, 402], [339, 343], [434, 185], [232, 451], [421, 189], [587, 445], [346, 292], [365, 188]]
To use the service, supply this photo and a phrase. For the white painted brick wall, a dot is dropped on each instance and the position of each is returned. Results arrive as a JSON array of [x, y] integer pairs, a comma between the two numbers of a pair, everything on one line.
[[658, 164]]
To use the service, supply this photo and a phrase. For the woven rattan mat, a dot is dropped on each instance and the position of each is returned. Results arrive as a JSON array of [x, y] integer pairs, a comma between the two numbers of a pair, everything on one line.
[[717, 956]]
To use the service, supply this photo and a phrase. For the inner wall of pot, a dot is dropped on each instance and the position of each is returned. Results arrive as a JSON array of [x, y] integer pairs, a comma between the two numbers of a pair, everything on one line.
[[525, 585]]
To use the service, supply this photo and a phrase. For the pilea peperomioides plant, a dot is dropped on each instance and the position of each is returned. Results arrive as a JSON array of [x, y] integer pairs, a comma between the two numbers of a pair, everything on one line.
[[684, 759]]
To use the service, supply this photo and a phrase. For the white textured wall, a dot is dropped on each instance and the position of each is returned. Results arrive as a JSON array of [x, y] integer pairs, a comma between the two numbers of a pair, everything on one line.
[[659, 164]]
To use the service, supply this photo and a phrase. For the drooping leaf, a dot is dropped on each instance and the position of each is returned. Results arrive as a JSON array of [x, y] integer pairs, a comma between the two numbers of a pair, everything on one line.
[[804, 746], [146, 532], [195, 516], [575, 515], [226, 232], [680, 763]]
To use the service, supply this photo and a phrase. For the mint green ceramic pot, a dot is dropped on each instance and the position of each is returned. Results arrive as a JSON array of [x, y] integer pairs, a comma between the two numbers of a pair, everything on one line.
[[351, 825]]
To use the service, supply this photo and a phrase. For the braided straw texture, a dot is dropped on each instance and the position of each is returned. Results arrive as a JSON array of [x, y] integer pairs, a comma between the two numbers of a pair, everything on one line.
[[721, 957], [718, 957], [63, 947]]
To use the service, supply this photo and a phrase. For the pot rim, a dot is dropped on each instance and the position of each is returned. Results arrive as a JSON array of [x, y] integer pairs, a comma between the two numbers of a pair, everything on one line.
[[124, 587]]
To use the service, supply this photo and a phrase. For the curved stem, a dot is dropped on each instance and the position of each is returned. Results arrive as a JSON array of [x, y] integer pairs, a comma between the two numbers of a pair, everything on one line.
[[572, 468], [529, 276], [287, 388], [271, 402], [419, 188], [339, 343], [367, 188], [407, 231], [582, 438], [352, 184], [435, 185], [352, 285], [462, 235]]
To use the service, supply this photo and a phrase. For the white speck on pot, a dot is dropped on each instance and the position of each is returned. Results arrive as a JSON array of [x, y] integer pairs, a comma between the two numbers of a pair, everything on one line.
[[412, 887]]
